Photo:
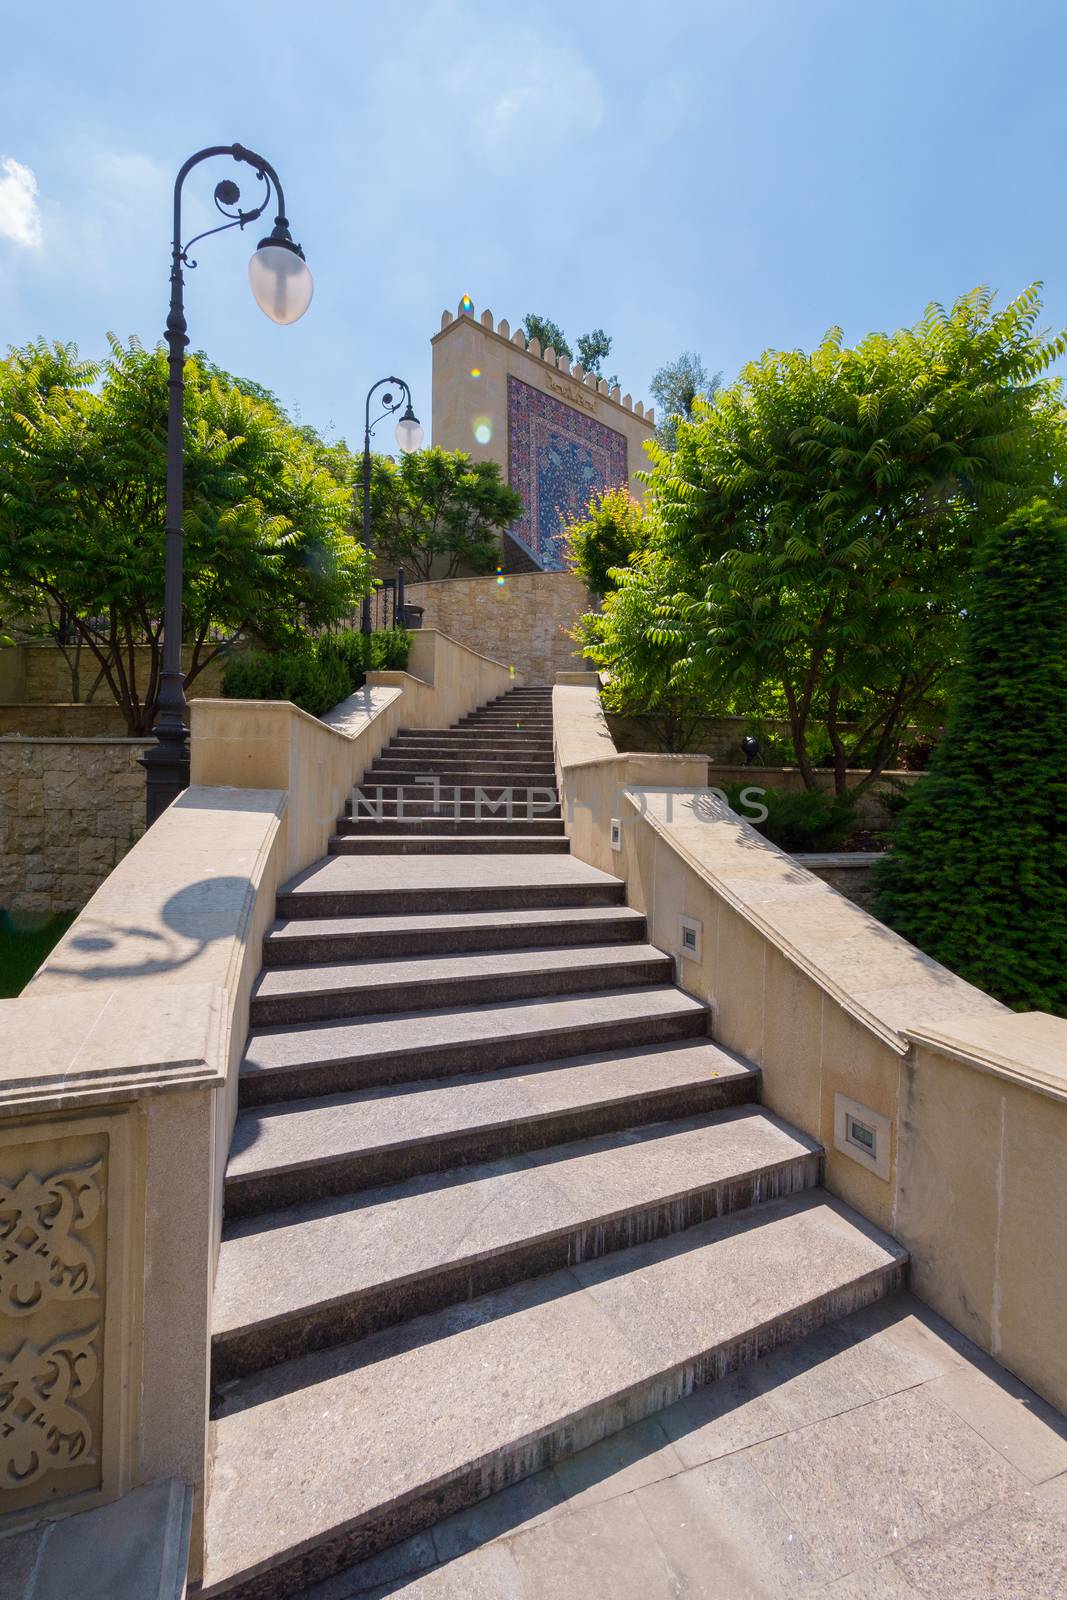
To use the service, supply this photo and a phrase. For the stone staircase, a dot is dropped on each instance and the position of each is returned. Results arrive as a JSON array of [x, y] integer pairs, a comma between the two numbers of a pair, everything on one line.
[[494, 1192]]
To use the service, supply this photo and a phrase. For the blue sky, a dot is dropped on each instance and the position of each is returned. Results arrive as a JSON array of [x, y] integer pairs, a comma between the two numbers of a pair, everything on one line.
[[722, 176]]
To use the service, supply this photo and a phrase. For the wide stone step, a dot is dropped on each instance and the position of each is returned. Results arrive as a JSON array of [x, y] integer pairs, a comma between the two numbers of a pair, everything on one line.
[[532, 810], [452, 738], [424, 777], [355, 938], [519, 724], [485, 747], [357, 1448], [404, 771], [332, 1057], [366, 826], [341, 886], [481, 757], [305, 1150], [418, 983], [442, 843], [493, 797], [326, 1273]]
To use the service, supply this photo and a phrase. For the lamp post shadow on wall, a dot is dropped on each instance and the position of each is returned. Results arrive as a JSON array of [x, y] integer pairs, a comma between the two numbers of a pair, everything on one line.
[[282, 286], [408, 435]]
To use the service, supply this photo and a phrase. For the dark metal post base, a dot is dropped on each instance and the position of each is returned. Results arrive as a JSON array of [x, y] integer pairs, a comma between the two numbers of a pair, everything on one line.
[[167, 767]]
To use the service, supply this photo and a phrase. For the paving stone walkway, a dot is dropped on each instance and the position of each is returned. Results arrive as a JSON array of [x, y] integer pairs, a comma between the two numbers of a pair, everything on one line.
[[883, 1458]]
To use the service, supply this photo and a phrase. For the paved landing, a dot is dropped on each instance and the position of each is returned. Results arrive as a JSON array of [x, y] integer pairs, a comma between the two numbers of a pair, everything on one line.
[[884, 1458]]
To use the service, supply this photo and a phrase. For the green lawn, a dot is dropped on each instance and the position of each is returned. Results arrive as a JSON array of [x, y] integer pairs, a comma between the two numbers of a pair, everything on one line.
[[24, 943]]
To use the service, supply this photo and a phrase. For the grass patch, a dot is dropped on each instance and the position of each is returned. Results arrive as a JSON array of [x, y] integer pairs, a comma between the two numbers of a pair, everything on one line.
[[25, 940]]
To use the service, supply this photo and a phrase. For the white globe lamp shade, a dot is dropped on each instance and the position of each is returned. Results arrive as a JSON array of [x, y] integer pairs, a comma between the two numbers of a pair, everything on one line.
[[409, 432], [281, 281]]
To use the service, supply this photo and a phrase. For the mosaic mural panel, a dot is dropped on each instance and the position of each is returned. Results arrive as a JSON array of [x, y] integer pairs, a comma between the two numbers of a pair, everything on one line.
[[557, 458]]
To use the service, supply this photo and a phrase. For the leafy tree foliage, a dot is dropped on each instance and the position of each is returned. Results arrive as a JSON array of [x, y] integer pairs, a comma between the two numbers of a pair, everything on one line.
[[676, 388], [641, 678], [593, 348], [438, 506], [546, 332], [978, 872], [614, 528], [812, 534], [82, 491]]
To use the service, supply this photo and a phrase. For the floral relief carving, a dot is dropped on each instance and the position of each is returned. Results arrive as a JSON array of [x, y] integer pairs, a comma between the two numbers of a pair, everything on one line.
[[41, 1257], [41, 1428]]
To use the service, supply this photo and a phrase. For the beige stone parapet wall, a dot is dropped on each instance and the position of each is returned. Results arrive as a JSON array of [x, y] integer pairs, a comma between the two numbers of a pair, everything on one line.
[[523, 622], [69, 811], [115, 1109], [969, 1100], [118, 1095]]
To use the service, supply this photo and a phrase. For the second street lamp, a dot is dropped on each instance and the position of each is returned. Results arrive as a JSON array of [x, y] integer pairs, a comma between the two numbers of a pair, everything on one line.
[[282, 286], [408, 434]]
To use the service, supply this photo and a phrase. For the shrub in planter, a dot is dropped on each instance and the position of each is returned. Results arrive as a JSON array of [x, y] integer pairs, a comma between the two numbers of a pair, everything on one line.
[[317, 675], [806, 820]]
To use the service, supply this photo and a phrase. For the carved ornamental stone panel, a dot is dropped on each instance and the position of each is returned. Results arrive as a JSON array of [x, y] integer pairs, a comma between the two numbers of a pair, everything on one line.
[[61, 1280]]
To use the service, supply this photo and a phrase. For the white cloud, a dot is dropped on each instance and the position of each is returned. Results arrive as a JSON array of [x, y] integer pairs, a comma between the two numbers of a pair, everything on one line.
[[20, 219], [521, 92]]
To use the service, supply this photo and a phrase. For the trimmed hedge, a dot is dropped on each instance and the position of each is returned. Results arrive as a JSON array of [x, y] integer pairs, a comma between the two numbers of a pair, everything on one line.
[[316, 677], [978, 872]]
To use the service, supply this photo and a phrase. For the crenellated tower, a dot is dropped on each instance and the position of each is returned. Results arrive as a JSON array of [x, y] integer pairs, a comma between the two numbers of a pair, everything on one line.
[[558, 433]]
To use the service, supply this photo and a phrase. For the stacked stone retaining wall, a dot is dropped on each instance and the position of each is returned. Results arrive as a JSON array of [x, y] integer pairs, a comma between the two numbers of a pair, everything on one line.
[[69, 811]]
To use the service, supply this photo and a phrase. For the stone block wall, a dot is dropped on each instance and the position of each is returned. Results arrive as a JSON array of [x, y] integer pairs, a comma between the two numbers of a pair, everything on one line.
[[69, 811], [95, 721], [522, 622], [37, 674]]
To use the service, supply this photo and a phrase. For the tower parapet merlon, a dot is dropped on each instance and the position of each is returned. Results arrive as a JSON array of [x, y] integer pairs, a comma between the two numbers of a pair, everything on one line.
[[549, 356]]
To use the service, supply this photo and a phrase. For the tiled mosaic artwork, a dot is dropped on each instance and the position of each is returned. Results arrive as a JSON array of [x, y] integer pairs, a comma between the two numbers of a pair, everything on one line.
[[557, 458]]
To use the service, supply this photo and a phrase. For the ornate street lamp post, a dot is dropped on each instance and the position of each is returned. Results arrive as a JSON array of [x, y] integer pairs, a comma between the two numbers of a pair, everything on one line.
[[408, 437], [282, 286]]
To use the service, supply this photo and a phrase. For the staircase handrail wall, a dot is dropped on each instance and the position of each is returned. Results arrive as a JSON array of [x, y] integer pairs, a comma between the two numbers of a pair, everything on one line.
[[118, 1087], [968, 1100]]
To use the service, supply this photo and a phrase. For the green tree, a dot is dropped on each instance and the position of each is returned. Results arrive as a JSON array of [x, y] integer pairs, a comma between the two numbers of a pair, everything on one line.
[[676, 388], [546, 332], [606, 538], [435, 507], [977, 876], [641, 681], [815, 528], [594, 349], [82, 490]]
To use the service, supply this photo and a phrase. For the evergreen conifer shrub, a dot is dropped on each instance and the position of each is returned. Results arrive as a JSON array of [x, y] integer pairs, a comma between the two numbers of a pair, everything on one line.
[[977, 876]]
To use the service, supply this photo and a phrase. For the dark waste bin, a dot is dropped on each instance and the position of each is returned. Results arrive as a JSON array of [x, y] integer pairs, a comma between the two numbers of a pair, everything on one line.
[[413, 616]]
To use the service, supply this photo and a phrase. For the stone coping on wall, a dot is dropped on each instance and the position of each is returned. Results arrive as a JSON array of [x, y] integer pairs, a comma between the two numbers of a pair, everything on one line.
[[824, 859], [1028, 1047], [60, 738], [105, 1044], [886, 983], [176, 909]]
